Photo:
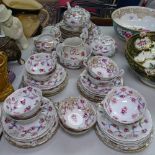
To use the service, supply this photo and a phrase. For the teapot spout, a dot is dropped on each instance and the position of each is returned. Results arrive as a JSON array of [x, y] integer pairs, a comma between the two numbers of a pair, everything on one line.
[[68, 5]]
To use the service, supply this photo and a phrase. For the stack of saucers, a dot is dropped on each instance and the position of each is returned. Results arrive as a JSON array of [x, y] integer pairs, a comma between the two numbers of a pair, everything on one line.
[[77, 115], [43, 72], [101, 75], [28, 119], [123, 121]]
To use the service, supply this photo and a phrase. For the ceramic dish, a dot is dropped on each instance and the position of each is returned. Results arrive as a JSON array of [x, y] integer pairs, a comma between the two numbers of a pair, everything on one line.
[[146, 73], [38, 141], [126, 134], [131, 20], [122, 148], [77, 113], [103, 68], [21, 131], [55, 79], [41, 65], [124, 105], [23, 102]]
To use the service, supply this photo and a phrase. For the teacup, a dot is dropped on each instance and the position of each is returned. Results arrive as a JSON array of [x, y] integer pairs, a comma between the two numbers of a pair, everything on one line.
[[40, 66], [102, 69], [76, 17], [46, 43], [23, 103], [103, 45], [72, 52]]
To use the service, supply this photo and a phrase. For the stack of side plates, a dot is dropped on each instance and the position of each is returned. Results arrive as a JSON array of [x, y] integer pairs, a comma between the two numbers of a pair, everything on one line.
[[56, 83], [93, 91], [126, 137], [34, 131]]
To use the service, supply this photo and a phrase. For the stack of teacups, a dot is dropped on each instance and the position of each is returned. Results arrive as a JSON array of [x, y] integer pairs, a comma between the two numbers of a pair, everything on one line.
[[99, 77], [77, 115], [123, 121], [28, 119], [43, 72]]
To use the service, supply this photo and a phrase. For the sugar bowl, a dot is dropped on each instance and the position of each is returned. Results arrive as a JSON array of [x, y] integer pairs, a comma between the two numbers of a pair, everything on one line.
[[40, 66], [23, 103], [72, 52]]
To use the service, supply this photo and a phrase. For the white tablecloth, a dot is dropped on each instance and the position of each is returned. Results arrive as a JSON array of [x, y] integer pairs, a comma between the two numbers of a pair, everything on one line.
[[87, 144]]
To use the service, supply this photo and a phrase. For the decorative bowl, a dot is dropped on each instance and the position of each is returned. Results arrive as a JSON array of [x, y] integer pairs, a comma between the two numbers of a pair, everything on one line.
[[124, 105], [102, 69], [77, 113], [46, 43], [40, 66], [146, 74], [103, 45], [23, 103], [131, 20], [76, 17]]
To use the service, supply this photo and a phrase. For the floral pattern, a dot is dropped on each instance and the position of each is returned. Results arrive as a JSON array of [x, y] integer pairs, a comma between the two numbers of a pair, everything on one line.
[[125, 105], [101, 89], [77, 113], [22, 101], [132, 132], [55, 80], [20, 130]]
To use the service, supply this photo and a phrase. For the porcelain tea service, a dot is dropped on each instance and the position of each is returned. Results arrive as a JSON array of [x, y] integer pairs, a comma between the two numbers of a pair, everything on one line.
[[46, 43], [72, 52], [76, 114], [123, 120]]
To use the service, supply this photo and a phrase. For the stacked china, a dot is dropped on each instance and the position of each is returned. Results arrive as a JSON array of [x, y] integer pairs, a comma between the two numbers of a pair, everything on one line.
[[100, 76], [28, 119], [43, 72], [77, 115], [123, 121], [1, 130]]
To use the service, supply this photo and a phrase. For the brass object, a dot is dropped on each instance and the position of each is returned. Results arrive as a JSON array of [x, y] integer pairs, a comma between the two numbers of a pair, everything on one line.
[[11, 49], [5, 87]]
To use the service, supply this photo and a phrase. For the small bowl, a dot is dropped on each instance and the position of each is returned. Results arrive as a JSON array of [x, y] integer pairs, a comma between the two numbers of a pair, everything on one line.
[[102, 68], [103, 45], [77, 113], [132, 20], [46, 43], [146, 75], [23, 103], [124, 105], [40, 66]]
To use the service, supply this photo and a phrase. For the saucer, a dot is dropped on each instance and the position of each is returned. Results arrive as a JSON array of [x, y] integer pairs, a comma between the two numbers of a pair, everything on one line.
[[21, 131], [56, 79]]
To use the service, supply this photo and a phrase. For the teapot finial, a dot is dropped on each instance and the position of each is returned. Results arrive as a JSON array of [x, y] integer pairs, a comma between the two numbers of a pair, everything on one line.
[[68, 5]]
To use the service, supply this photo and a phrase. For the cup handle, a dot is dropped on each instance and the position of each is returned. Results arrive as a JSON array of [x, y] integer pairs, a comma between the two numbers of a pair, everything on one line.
[[45, 21], [85, 61]]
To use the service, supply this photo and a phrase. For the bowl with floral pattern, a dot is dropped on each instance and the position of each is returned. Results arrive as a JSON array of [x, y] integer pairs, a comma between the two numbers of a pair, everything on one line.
[[77, 113], [23, 103], [102, 69], [124, 105], [132, 20], [41, 65]]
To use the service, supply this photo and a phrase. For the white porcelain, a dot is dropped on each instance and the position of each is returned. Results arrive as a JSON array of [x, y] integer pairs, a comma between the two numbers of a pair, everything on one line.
[[54, 31], [19, 130], [124, 105], [56, 78], [100, 90], [76, 16], [23, 102], [77, 113], [41, 65], [127, 134], [72, 52], [46, 43], [103, 45], [103, 69]]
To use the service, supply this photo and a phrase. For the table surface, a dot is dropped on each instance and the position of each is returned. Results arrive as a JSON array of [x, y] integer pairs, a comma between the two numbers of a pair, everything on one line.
[[87, 144]]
